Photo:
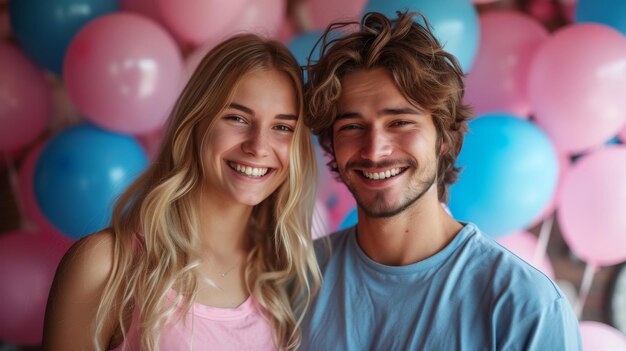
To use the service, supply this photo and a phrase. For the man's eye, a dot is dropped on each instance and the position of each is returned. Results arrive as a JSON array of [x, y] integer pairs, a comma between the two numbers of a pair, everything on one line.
[[350, 127], [401, 123]]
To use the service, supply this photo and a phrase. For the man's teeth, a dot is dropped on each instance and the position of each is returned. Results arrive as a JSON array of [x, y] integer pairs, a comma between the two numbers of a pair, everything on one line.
[[249, 171], [382, 175]]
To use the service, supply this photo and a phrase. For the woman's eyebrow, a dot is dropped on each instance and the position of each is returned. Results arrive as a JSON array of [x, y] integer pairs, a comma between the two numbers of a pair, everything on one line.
[[240, 107], [287, 117]]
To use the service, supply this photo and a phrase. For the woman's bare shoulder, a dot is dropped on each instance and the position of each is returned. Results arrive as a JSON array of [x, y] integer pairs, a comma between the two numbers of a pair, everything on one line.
[[76, 292], [89, 258]]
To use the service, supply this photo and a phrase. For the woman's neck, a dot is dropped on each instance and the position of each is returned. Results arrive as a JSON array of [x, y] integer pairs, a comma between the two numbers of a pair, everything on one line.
[[224, 246], [223, 227]]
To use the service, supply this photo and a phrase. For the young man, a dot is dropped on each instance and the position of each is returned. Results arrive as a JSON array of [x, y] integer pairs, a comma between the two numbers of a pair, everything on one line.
[[386, 103]]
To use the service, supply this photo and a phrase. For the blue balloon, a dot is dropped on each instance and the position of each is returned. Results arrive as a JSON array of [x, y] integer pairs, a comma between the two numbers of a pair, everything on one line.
[[44, 29], [609, 12], [510, 173], [352, 218], [79, 175], [302, 45], [454, 22]]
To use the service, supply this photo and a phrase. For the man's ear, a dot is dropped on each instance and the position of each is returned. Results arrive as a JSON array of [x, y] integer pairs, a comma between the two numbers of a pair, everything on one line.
[[444, 146]]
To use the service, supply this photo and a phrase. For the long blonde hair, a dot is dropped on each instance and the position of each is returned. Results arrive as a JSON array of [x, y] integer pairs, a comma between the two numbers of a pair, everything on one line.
[[155, 223]]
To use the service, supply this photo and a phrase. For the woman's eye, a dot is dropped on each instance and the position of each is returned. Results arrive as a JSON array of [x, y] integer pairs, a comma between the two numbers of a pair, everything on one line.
[[235, 118], [284, 128]]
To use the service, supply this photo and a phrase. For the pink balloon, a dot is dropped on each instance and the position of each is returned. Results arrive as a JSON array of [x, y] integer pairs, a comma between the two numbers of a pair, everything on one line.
[[622, 134], [27, 265], [197, 20], [498, 80], [565, 164], [149, 9], [591, 206], [25, 99], [338, 200], [151, 142], [27, 196], [598, 336], [193, 59], [321, 220], [544, 10], [524, 244], [333, 193], [263, 17], [123, 71], [5, 24], [325, 12], [145, 7], [286, 31], [576, 85]]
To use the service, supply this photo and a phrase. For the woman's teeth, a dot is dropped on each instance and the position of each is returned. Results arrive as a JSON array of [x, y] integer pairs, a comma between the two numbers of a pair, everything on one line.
[[249, 171]]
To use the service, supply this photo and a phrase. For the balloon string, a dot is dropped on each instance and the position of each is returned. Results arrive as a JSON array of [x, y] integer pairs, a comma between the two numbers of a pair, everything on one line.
[[14, 183], [585, 286], [544, 238]]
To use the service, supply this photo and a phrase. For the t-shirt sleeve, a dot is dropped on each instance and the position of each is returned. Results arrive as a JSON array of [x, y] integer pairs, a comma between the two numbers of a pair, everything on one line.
[[553, 327]]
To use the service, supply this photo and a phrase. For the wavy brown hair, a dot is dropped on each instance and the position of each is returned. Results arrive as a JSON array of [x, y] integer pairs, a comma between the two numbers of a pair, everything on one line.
[[427, 76], [155, 222]]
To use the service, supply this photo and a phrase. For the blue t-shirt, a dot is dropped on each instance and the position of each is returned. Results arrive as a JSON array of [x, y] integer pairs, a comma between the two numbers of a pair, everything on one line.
[[472, 295]]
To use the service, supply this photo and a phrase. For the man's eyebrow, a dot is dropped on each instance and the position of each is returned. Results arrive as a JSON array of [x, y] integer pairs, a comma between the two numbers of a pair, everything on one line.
[[346, 115], [387, 111], [400, 111]]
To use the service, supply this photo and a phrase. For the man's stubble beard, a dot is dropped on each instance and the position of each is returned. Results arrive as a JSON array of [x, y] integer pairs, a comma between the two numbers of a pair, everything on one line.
[[373, 210]]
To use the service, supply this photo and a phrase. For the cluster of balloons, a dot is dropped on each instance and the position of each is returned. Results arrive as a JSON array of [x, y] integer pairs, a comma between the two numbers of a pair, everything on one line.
[[541, 100], [566, 88], [548, 139]]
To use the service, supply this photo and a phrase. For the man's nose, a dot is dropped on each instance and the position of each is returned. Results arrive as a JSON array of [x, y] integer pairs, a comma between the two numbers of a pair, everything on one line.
[[376, 145]]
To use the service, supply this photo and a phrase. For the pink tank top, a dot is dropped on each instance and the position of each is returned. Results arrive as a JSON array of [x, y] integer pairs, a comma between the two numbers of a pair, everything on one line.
[[213, 328]]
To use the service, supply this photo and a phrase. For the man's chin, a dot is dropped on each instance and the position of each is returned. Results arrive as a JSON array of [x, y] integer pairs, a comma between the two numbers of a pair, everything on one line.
[[377, 210]]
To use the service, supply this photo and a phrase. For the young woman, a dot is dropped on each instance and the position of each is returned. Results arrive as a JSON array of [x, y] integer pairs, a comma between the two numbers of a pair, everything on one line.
[[210, 246]]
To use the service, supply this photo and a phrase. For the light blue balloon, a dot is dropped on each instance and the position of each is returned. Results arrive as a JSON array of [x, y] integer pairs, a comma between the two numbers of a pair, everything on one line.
[[510, 173], [44, 29], [608, 12], [79, 175], [454, 22], [352, 218]]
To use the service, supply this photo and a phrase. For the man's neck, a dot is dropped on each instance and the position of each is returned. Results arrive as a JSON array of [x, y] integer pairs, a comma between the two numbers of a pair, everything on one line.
[[413, 235]]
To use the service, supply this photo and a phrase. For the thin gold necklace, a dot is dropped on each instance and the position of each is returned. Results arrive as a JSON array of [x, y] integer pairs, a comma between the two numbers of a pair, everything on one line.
[[223, 274]]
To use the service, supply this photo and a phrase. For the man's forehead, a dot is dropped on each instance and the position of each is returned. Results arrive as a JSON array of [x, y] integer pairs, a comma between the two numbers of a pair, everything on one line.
[[372, 91]]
